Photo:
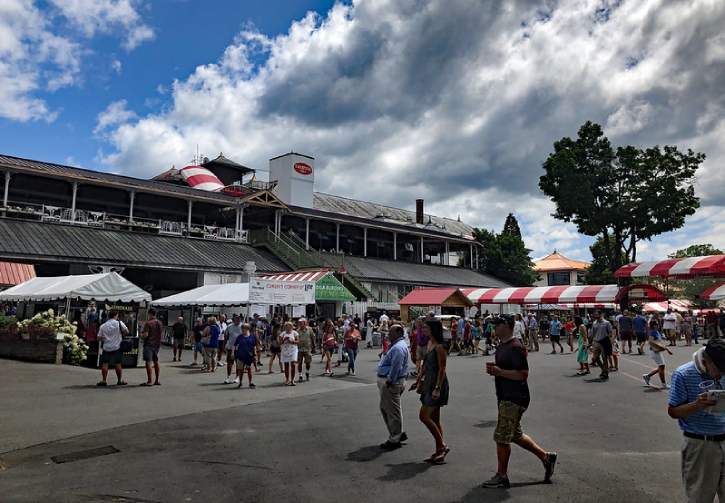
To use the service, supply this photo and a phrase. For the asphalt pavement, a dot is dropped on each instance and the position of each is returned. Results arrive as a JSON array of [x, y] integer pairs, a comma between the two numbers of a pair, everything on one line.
[[195, 439]]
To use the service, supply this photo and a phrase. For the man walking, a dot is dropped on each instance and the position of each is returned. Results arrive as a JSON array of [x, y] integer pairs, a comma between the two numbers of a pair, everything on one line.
[[178, 331], [152, 331], [703, 455], [626, 331], [555, 335], [232, 332], [511, 372], [533, 333], [305, 348], [639, 325], [392, 369], [110, 336], [601, 334]]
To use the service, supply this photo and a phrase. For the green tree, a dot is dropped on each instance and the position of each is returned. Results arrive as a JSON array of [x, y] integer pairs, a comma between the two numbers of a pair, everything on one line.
[[505, 256], [511, 226], [623, 196], [696, 251], [692, 288], [599, 272]]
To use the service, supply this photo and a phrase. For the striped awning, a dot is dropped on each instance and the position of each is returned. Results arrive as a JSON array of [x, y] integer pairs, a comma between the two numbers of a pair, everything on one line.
[[566, 307], [12, 273], [544, 295], [201, 178], [299, 275], [715, 292], [661, 307], [710, 265]]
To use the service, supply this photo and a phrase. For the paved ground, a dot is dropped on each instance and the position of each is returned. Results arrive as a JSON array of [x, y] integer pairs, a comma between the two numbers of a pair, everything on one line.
[[193, 439]]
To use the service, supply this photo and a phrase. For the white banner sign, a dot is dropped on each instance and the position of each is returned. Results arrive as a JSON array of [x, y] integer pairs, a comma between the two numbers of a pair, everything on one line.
[[267, 291]]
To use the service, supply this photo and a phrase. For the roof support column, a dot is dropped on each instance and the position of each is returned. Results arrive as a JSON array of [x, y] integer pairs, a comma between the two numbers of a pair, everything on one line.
[[241, 219], [471, 246], [365, 241], [476, 262], [7, 189], [447, 260], [188, 217], [130, 205], [422, 254], [337, 238], [73, 202], [307, 233], [395, 246]]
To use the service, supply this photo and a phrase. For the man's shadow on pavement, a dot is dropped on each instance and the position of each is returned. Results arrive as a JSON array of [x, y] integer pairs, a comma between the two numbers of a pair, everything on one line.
[[365, 454], [404, 471]]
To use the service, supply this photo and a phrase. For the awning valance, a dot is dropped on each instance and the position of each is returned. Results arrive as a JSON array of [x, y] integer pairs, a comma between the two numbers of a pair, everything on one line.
[[715, 292], [710, 265], [327, 287], [681, 306], [111, 287], [544, 294]]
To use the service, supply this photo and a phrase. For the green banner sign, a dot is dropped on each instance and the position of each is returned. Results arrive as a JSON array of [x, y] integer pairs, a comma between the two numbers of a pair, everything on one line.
[[329, 289]]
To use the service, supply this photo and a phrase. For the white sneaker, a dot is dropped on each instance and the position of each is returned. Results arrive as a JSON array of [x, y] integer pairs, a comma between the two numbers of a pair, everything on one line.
[[646, 379], [665, 386], [236, 380], [227, 380]]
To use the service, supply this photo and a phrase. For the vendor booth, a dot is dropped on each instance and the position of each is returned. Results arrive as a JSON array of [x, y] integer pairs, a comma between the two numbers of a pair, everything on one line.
[[441, 301], [715, 292], [330, 293], [84, 299]]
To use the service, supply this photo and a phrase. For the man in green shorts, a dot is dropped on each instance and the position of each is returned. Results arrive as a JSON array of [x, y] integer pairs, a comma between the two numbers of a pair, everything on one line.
[[305, 347], [511, 370]]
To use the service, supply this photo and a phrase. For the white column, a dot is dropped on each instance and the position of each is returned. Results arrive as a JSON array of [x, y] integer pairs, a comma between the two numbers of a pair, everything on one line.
[[422, 254], [476, 262], [307, 233], [73, 202], [447, 260], [188, 216], [130, 206], [471, 256], [365, 241], [241, 218], [337, 238], [7, 188], [395, 246]]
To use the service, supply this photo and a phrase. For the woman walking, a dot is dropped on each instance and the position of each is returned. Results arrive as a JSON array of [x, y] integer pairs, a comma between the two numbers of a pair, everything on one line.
[[329, 345], [656, 348], [582, 354], [289, 353], [352, 338], [210, 340], [476, 334], [432, 385], [275, 349]]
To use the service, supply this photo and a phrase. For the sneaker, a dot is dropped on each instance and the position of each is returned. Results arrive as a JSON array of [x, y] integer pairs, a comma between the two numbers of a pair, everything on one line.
[[497, 481], [549, 466], [646, 379], [236, 380], [252, 386], [390, 446], [403, 437], [665, 386]]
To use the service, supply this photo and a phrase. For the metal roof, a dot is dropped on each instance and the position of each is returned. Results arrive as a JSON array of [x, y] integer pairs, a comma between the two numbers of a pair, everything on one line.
[[388, 271], [13, 274], [29, 166], [433, 297], [34, 241], [387, 215]]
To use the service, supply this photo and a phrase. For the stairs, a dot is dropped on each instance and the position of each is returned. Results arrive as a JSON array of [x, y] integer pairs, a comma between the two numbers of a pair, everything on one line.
[[290, 249]]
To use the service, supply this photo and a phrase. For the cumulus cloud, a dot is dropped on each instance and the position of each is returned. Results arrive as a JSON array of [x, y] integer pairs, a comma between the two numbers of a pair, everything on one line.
[[116, 113], [457, 102], [36, 58]]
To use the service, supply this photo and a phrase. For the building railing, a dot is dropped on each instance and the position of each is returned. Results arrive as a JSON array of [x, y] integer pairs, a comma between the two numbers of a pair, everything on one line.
[[103, 220]]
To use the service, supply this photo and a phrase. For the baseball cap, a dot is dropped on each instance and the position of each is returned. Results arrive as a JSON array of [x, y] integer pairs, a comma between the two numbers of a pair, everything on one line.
[[504, 319], [715, 349]]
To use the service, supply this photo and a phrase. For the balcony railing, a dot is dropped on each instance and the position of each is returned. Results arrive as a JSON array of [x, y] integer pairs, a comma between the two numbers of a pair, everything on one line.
[[103, 220]]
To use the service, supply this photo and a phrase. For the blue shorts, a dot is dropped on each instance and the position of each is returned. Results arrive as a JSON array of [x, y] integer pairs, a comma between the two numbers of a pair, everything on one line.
[[150, 354], [198, 347]]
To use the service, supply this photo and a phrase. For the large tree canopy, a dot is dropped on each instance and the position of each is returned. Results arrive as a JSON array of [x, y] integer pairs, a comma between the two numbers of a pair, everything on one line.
[[622, 196], [505, 255]]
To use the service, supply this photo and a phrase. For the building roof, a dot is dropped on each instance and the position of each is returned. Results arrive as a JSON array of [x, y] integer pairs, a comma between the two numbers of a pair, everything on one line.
[[388, 271], [387, 215], [220, 160], [35, 241], [433, 297], [12, 274], [558, 262]]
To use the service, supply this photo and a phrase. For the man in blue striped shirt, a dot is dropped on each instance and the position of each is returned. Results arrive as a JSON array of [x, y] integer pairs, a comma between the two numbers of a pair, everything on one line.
[[392, 370], [703, 455]]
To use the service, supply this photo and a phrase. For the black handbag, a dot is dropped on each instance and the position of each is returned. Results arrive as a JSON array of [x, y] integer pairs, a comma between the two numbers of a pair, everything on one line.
[[126, 345]]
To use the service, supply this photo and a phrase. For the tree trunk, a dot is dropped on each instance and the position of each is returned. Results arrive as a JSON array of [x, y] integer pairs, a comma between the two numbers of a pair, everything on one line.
[[607, 248]]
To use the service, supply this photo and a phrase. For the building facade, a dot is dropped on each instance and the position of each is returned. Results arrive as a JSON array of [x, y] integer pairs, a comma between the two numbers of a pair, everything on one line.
[[557, 270]]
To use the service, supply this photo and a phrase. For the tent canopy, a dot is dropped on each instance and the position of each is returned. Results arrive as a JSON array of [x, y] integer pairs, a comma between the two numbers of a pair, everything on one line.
[[688, 267], [228, 294], [111, 287], [662, 307], [715, 292], [544, 294], [435, 297]]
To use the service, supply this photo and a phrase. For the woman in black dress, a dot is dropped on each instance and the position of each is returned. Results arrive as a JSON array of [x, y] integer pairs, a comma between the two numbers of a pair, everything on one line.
[[432, 385]]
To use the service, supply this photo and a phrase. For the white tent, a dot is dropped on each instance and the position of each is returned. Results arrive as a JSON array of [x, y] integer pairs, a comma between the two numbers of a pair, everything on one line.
[[228, 294], [111, 287]]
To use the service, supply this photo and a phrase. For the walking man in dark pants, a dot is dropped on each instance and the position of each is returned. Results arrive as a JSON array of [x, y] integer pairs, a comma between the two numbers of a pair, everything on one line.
[[392, 369], [511, 371], [601, 334]]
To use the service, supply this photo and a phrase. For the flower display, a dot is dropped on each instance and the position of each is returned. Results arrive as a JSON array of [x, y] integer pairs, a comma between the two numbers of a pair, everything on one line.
[[57, 328]]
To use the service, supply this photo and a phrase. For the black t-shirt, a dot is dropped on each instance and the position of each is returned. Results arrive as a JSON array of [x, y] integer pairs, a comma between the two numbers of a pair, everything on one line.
[[179, 330], [198, 329], [512, 356]]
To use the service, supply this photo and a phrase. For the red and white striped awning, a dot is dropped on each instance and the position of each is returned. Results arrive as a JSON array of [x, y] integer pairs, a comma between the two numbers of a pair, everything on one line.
[[715, 292], [711, 265], [681, 306], [544, 295], [298, 275], [566, 307], [201, 178]]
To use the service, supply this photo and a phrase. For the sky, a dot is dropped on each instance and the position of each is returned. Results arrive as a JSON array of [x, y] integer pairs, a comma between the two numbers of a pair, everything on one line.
[[457, 102]]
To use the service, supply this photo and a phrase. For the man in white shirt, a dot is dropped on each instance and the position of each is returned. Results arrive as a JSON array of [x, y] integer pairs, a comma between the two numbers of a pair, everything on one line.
[[384, 318], [231, 333], [669, 325], [519, 328], [110, 336], [222, 332]]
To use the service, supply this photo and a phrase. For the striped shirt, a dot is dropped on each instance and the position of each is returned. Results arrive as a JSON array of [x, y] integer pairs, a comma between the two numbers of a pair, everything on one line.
[[685, 388]]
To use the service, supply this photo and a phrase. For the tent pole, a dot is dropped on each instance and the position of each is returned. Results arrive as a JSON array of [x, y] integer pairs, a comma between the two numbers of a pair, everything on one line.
[[67, 308]]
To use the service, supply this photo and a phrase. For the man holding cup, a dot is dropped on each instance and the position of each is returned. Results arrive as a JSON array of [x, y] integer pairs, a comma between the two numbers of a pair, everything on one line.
[[691, 397], [511, 371]]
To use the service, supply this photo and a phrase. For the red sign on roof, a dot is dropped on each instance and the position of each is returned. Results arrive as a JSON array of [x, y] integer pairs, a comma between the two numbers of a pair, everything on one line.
[[303, 168]]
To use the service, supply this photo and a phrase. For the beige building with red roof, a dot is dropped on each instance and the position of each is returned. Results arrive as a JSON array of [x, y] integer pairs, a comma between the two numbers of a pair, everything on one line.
[[556, 269]]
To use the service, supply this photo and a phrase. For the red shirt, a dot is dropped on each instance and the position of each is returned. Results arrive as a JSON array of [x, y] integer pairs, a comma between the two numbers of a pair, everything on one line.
[[153, 330]]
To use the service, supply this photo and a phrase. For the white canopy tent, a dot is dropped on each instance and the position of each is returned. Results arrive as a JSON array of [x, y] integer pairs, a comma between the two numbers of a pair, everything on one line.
[[110, 287], [228, 294]]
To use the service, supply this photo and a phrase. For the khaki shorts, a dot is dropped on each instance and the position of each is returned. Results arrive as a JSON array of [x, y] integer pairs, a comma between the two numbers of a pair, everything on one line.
[[304, 356], [244, 366], [508, 426]]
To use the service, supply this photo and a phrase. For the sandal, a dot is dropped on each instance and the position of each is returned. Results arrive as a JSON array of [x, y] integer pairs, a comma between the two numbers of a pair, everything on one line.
[[146, 384], [121, 383], [101, 383]]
